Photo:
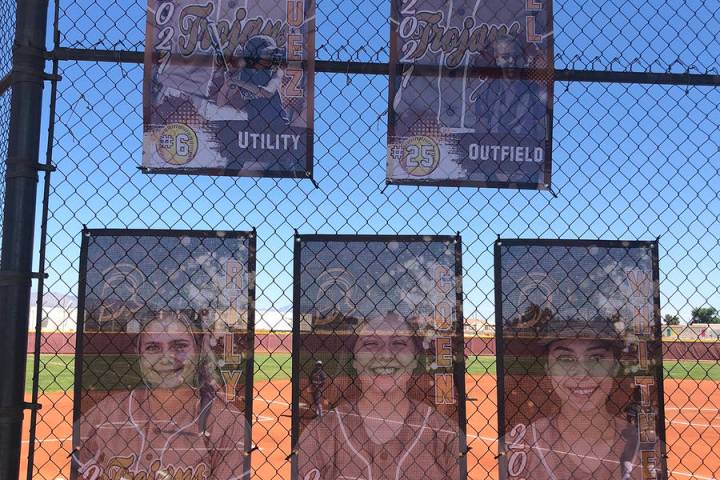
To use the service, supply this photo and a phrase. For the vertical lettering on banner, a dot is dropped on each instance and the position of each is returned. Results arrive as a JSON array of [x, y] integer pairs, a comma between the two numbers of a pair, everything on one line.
[[444, 392], [643, 355], [444, 279], [292, 87], [641, 320], [443, 317], [443, 352], [530, 27], [231, 378], [163, 14], [646, 427], [295, 47], [229, 354], [644, 383], [649, 465], [234, 274], [295, 13]]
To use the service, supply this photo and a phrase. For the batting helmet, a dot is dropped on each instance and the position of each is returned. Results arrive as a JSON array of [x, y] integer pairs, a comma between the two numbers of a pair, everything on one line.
[[262, 47]]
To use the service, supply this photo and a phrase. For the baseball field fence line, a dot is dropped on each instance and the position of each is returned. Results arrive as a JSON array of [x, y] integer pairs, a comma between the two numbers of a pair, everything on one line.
[[635, 147]]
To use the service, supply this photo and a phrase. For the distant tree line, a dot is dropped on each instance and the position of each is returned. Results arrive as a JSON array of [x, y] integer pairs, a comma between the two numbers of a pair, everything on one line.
[[698, 315]]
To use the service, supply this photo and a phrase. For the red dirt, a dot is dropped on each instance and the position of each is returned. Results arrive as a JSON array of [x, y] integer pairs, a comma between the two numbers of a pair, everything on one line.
[[692, 419]]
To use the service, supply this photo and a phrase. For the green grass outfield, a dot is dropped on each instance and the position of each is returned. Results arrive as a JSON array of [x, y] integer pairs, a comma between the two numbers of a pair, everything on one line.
[[57, 372]]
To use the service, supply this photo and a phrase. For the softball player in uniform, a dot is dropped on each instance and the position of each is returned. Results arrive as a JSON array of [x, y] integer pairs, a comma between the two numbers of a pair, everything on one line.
[[550, 458], [256, 87], [181, 75], [176, 427], [384, 434], [318, 379], [510, 106], [583, 439]]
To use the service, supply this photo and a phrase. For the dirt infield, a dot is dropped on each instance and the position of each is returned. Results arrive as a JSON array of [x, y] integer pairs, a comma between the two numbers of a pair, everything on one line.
[[692, 422], [64, 343]]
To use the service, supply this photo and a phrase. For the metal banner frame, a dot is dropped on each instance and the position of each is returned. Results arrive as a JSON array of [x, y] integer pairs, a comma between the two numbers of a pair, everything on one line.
[[249, 337], [546, 76], [508, 441], [458, 343], [307, 66]]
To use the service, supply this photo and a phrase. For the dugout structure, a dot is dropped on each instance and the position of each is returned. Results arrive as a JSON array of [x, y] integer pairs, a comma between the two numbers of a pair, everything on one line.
[[377, 322], [163, 379], [579, 359]]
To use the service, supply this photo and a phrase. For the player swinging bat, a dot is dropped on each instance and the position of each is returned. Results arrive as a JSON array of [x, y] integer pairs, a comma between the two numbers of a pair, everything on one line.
[[256, 86], [383, 433], [174, 426]]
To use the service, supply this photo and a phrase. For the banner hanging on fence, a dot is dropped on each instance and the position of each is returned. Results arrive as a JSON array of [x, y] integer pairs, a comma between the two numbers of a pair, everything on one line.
[[163, 382], [378, 358], [471, 88], [579, 360], [229, 88]]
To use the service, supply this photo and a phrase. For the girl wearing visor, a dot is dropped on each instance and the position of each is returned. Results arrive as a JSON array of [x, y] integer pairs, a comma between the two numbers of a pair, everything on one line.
[[381, 433], [174, 425], [587, 435]]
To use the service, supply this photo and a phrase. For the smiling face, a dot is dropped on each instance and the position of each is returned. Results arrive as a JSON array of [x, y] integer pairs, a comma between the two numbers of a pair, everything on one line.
[[168, 354], [385, 354], [582, 372]]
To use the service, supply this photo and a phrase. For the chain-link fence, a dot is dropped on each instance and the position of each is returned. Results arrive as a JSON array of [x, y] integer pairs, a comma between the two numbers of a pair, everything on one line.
[[636, 153], [7, 35]]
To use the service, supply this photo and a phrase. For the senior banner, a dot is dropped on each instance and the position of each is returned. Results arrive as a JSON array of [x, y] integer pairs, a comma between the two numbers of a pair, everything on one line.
[[378, 359], [579, 360], [163, 369], [471, 89], [228, 87]]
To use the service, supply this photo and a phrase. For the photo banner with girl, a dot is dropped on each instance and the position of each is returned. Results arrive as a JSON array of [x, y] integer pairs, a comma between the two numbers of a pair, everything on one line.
[[163, 369], [378, 358], [228, 88], [579, 360], [471, 93]]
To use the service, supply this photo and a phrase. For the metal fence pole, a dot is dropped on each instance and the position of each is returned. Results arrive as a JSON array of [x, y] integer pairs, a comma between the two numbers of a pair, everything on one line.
[[19, 222]]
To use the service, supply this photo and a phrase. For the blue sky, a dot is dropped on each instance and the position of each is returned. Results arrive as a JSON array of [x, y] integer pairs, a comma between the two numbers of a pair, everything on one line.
[[630, 161]]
